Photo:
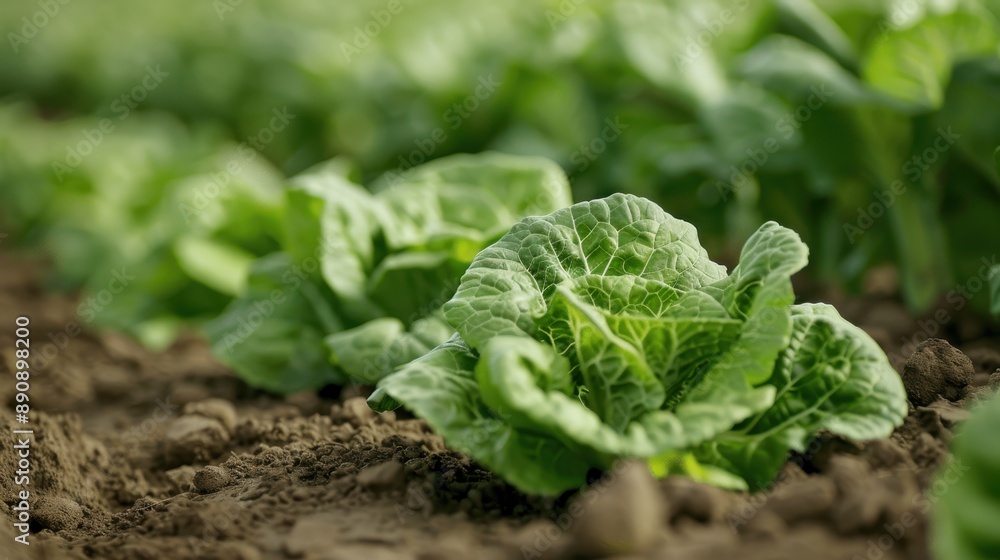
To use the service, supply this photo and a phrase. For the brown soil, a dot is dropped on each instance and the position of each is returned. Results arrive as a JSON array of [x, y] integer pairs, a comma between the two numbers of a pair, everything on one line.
[[139, 455]]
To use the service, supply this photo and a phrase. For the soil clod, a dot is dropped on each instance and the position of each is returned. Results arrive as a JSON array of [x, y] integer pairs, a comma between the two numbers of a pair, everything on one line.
[[387, 476], [57, 513], [211, 479], [193, 438], [354, 410], [801, 500], [217, 409], [937, 369], [621, 515]]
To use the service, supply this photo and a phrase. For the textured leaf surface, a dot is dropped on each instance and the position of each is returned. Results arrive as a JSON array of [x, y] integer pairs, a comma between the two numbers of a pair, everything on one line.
[[273, 335], [603, 330], [506, 286], [832, 376], [384, 263]]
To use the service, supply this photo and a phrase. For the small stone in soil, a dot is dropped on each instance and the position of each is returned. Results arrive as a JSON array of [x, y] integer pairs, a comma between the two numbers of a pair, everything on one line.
[[803, 499], [211, 479], [621, 516], [193, 438], [219, 409], [182, 477], [949, 413], [385, 476], [764, 524], [687, 498], [354, 410], [936, 369], [886, 454], [57, 513]]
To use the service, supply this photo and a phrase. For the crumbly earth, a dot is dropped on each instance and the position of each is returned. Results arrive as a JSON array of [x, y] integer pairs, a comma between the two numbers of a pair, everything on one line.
[[146, 456]]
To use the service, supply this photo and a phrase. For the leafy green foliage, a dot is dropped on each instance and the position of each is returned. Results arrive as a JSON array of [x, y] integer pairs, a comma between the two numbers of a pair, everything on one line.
[[732, 112], [968, 512], [358, 289], [603, 330], [163, 218]]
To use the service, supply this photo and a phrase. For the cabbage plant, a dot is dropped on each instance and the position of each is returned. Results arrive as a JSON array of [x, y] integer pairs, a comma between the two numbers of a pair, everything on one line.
[[358, 286], [603, 330]]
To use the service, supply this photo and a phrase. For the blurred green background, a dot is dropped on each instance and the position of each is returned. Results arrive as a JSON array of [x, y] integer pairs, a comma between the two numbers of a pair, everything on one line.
[[155, 138]]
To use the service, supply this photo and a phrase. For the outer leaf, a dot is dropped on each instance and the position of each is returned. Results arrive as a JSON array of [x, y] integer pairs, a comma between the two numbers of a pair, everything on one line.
[[273, 334], [331, 220], [914, 64], [219, 266], [473, 198], [363, 352], [441, 388], [832, 376], [371, 351], [760, 292]]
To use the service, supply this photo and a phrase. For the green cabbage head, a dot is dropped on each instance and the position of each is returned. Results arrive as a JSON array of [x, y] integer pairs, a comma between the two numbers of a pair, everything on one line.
[[603, 330]]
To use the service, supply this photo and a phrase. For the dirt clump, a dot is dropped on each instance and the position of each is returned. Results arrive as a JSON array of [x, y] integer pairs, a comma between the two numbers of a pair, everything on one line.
[[382, 477], [686, 499], [210, 479], [937, 369], [57, 513], [216, 409], [193, 437], [804, 499]]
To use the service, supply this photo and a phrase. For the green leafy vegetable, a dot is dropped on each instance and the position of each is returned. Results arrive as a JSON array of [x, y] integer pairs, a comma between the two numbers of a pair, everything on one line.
[[603, 330], [968, 513], [273, 334], [365, 275]]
